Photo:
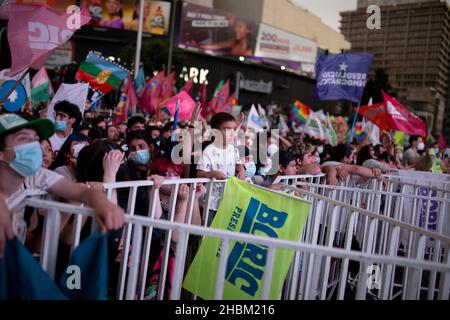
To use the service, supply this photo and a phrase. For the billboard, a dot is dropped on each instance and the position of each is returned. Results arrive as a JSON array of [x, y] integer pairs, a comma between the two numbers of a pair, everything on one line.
[[217, 30], [274, 43], [225, 33], [124, 14]]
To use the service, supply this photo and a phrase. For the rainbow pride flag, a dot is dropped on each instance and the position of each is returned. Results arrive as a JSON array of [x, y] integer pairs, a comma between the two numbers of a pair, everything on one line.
[[300, 113], [360, 133]]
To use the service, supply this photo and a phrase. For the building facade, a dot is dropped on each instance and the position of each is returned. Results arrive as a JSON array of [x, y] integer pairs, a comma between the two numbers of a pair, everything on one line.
[[413, 47]]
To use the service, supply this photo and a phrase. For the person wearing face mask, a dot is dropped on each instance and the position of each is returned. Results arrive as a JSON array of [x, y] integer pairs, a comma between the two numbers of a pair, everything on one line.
[[66, 160], [67, 119], [141, 151], [411, 156], [21, 170], [249, 165]]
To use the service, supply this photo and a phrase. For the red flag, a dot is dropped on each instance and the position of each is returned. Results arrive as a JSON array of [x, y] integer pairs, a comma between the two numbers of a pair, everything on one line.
[[167, 87], [188, 86], [220, 100], [391, 115], [128, 99], [150, 96], [228, 106], [36, 30], [441, 142], [187, 105]]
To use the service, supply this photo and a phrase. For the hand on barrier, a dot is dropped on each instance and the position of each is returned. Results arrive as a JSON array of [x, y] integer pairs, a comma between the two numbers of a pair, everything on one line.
[[6, 230], [108, 216], [376, 172], [183, 192], [218, 175], [332, 180], [157, 180], [200, 191], [96, 185], [341, 174]]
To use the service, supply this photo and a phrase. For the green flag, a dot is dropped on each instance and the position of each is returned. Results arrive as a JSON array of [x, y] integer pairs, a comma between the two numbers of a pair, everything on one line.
[[248, 209], [332, 137], [40, 94]]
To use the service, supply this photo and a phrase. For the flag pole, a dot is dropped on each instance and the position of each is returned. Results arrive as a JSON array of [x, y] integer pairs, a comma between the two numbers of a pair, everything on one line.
[[354, 123], [137, 60], [18, 81], [175, 120]]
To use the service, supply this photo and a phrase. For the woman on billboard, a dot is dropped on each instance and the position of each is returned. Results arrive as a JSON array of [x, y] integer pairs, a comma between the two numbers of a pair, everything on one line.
[[239, 45], [114, 15]]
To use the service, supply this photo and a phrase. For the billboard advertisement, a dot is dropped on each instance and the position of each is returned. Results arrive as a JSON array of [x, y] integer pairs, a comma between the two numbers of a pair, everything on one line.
[[120, 14], [274, 43], [124, 14], [225, 33], [217, 30]]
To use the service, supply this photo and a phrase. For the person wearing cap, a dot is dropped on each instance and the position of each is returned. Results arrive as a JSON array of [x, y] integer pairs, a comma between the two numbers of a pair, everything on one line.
[[67, 118], [21, 170]]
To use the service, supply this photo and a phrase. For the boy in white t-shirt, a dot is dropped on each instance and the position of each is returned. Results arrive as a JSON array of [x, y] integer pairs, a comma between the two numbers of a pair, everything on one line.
[[220, 160], [21, 171]]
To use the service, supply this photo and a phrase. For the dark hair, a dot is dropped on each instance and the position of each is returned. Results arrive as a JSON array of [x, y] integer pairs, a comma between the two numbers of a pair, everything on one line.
[[363, 154], [138, 134], [71, 110], [340, 152], [61, 158], [96, 133], [167, 127], [149, 129], [97, 120], [413, 139], [83, 126], [285, 157], [133, 120], [90, 161], [219, 118]]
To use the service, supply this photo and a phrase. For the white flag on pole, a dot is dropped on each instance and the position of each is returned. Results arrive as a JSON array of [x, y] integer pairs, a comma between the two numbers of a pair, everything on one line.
[[254, 120], [282, 125], [74, 93], [263, 116]]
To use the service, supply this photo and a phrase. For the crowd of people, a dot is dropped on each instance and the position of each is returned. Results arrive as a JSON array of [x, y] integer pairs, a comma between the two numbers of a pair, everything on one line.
[[73, 156]]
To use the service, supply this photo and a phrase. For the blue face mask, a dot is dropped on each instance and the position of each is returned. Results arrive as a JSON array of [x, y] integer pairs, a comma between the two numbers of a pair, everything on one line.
[[141, 157], [28, 159], [60, 125], [250, 169]]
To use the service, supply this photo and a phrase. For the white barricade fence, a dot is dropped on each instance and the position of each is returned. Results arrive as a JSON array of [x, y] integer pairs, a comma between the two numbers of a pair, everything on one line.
[[347, 250]]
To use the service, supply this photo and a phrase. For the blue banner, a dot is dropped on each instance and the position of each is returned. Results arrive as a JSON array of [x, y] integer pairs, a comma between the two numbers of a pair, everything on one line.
[[342, 76]]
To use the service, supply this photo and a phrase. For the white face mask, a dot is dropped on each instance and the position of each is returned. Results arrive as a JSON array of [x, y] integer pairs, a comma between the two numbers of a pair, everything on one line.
[[77, 149], [320, 149], [272, 149], [421, 146]]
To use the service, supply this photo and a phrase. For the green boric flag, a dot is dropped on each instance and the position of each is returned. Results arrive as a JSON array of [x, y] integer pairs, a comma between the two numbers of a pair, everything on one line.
[[41, 93], [253, 210]]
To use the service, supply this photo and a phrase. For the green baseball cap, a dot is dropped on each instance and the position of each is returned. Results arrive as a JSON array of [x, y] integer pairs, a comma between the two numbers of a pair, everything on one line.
[[10, 122]]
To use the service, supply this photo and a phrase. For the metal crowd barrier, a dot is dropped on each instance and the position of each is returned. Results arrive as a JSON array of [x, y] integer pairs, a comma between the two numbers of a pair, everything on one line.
[[323, 260]]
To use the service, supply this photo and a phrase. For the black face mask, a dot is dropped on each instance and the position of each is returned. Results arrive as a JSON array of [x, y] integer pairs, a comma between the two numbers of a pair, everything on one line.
[[121, 136]]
